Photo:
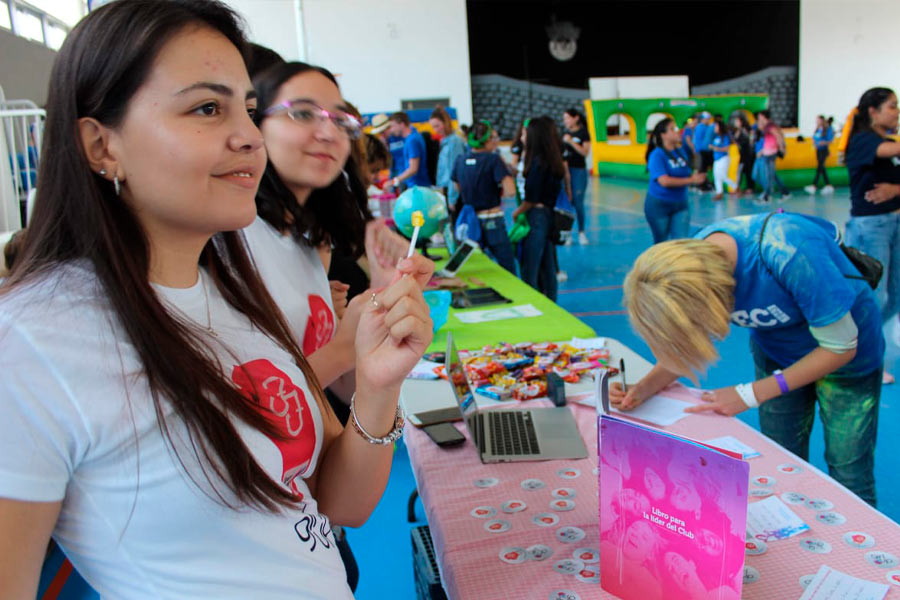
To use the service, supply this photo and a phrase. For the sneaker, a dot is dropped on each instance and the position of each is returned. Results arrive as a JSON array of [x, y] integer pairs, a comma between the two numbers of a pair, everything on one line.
[[762, 201], [887, 378], [718, 197], [583, 239], [828, 189], [810, 189], [562, 276], [567, 240], [784, 198]]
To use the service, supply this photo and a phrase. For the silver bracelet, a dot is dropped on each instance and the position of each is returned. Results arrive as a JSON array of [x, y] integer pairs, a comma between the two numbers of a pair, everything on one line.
[[392, 436], [745, 391]]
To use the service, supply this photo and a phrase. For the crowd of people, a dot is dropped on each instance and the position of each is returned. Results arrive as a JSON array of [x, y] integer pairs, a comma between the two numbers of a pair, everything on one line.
[[244, 324]]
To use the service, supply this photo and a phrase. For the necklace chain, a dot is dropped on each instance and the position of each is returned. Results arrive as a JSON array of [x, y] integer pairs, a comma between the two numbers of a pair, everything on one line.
[[209, 327]]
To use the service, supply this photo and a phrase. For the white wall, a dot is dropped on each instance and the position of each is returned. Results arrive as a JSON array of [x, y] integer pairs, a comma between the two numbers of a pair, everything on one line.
[[392, 49], [272, 23], [846, 47], [658, 86]]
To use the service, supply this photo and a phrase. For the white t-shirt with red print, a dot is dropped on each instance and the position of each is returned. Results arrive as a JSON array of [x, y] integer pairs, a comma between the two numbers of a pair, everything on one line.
[[78, 425], [296, 280]]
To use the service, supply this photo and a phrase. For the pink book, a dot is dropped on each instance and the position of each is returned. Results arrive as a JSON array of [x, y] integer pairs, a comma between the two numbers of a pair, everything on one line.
[[673, 515]]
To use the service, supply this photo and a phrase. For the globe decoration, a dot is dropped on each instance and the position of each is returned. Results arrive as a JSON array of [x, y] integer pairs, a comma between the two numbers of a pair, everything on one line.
[[429, 202]]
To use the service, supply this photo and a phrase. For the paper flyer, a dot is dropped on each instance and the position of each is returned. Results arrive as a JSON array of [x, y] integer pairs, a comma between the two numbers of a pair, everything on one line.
[[672, 515], [829, 584], [771, 519], [498, 314]]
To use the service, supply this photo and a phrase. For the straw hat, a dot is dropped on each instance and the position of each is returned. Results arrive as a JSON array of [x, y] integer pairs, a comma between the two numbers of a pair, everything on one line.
[[380, 122]]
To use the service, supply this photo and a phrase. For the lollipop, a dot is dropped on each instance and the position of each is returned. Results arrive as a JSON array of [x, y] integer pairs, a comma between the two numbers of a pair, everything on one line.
[[418, 219]]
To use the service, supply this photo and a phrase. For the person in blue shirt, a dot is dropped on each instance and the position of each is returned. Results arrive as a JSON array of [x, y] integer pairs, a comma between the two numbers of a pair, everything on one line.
[[703, 134], [452, 147], [821, 140], [815, 332], [720, 146], [873, 162], [482, 179], [415, 168], [687, 138], [666, 206]]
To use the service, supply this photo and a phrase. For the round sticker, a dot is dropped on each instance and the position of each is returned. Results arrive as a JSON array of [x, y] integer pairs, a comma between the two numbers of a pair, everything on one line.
[[819, 504], [568, 566], [513, 555], [589, 574], [790, 469], [596, 471], [563, 595], [816, 546], [751, 574], [570, 473], [483, 512], [564, 493], [539, 552], [588, 555], [893, 577], [513, 506], [882, 560], [859, 539], [806, 580], [532, 484], [562, 505], [794, 498], [545, 519], [755, 547], [764, 481], [486, 482], [829, 517], [760, 493], [569, 535], [497, 526]]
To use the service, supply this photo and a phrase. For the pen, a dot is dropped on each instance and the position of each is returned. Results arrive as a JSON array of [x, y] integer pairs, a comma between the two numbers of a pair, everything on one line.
[[622, 369], [418, 219]]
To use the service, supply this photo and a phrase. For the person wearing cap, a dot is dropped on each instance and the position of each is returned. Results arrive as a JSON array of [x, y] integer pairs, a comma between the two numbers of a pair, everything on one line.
[[482, 179], [414, 166], [703, 135], [815, 332], [380, 126]]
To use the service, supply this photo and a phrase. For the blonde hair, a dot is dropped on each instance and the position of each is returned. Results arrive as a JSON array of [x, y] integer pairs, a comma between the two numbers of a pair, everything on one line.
[[679, 296]]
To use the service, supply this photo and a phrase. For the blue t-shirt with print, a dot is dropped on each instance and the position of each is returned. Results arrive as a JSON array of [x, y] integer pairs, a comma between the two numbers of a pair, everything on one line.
[[720, 141], [395, 145], [674, 164], [700, 140], [414, 147], [822, 136], [479, 175], [866, 169], [796, 282]]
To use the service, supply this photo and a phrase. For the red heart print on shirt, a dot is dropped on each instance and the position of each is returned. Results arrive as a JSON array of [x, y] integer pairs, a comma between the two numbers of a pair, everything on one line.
[[319, 326], [285, 405]]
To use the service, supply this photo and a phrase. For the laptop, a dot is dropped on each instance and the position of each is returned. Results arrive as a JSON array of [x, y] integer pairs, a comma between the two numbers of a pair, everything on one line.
[[513, 435]]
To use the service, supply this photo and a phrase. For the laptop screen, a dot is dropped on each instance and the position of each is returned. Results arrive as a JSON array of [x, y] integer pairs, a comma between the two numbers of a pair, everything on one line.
[[456, 374]]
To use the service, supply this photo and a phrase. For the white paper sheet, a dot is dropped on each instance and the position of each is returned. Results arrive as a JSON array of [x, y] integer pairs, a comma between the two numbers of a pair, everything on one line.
[[733, 444], [595, 343], [498, 314], [834, 585], [658, 410], [771, 519]]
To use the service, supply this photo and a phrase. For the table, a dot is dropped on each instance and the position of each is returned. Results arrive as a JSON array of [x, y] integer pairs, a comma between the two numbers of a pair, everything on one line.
[[468, 555], [547, 326]]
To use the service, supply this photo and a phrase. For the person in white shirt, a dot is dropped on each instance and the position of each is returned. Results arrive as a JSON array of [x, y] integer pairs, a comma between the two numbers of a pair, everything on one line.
[[159, 419]]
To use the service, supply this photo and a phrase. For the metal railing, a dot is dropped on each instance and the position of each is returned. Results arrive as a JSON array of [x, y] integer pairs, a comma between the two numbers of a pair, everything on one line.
[[20, 142]]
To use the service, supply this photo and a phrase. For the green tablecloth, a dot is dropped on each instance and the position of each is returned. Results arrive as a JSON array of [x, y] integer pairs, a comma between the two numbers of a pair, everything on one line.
[[553, 324]]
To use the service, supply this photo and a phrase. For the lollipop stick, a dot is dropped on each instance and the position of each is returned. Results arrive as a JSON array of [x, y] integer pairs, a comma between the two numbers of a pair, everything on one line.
[[418, 219]]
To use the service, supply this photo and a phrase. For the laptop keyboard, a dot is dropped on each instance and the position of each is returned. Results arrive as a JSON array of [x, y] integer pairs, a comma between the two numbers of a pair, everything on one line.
[[512, 433]]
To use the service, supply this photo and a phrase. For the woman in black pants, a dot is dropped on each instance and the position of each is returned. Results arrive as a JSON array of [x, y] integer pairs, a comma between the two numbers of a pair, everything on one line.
[[741, 135]]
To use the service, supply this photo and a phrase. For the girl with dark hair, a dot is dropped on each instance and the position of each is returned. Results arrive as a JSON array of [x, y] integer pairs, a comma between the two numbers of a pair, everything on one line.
[[153, 396], [720, 145], [666, 206], [482, 179], [576, 146], [821, 140], [742, 137], [874, 226], [771, 146], [452, 147], [544, 172]]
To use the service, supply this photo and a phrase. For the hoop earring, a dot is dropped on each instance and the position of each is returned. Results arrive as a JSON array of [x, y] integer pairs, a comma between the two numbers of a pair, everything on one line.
[[116, 184]]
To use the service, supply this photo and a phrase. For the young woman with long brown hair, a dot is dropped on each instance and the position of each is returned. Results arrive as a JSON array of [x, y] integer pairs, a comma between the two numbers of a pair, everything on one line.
[[160, 420]]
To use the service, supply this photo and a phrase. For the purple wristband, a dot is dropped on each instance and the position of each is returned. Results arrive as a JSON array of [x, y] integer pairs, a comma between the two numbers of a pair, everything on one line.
[[782, 382]]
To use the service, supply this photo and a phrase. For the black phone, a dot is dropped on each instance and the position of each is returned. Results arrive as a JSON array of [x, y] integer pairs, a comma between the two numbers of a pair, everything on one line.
[[433, 417], [444, 434], [477, 297]]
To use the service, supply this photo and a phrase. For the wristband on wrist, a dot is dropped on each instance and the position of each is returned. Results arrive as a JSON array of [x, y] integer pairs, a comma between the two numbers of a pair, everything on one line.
[[782, 382], [745, 391], [392, 436]]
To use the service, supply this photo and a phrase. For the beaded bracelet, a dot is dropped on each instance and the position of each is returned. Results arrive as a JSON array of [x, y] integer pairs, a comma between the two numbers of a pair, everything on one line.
[[392, 436]]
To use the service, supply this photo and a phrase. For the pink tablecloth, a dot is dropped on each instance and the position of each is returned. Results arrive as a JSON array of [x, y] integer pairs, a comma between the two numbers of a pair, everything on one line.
[[469, 555]]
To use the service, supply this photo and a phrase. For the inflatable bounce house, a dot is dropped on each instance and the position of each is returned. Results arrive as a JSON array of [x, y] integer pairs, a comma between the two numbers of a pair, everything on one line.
[[624, 155]]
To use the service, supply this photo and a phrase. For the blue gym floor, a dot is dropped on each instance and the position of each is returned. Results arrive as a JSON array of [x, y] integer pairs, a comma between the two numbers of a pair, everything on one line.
[[618, 233]]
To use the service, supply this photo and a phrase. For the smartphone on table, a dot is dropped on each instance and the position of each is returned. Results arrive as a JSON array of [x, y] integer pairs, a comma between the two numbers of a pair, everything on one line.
[[444, 434], [433, 417]]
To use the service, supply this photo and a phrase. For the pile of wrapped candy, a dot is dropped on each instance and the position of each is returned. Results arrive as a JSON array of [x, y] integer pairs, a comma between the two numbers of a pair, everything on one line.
[[519, 371]]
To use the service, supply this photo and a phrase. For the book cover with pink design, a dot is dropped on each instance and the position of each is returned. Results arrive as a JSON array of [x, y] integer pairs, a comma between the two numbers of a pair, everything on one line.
[[673, 515]]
